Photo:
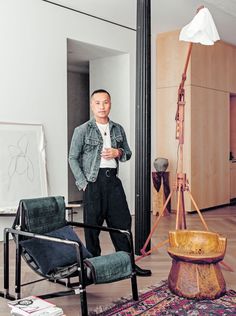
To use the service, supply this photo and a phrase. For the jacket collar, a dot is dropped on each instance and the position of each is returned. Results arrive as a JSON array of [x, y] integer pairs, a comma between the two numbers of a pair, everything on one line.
[[92, 123]]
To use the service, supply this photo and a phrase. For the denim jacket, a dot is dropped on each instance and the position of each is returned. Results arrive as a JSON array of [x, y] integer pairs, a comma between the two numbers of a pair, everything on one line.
[[85, 150]]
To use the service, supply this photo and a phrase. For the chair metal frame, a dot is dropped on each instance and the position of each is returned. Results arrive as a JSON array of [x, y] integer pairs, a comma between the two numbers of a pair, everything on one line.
[[75, 287]]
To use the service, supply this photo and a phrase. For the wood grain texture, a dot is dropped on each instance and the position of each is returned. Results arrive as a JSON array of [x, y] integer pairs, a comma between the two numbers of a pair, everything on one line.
[[158, 201], [233, 125], [232, 180], [210, 147], [171, 55], [199, 281]]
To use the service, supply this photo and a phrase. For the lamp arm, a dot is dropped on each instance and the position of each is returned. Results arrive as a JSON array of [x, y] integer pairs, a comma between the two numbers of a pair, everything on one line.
[[181, 91], [179, 117]]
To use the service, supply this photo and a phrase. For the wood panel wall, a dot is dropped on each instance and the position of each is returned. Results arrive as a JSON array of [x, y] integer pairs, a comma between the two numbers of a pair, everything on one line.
[[233, 125], [210, 147], [210, 81]]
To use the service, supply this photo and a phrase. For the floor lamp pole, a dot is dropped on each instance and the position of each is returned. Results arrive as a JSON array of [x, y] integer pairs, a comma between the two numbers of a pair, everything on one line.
[[181, 179], [181, 183]]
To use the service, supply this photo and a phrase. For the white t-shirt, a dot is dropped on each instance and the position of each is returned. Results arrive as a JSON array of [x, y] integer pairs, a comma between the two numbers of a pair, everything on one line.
[[105, 131]]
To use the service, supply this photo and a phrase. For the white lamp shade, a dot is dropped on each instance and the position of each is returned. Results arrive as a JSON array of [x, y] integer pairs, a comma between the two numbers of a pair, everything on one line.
[[201, 29]]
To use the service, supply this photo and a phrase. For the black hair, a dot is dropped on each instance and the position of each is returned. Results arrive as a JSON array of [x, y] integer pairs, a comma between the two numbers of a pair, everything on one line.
[[100, 91]]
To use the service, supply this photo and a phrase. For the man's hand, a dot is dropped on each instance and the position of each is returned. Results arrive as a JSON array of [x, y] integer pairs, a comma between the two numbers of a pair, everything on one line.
[[110, 153]]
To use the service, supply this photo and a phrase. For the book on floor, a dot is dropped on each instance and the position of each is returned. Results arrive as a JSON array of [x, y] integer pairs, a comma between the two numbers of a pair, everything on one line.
[[34, 306], [51, 311]]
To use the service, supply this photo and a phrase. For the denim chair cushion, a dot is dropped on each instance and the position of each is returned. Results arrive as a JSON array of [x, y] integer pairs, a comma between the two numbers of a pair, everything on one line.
[[110, 268], [43, 215], [49, 255]]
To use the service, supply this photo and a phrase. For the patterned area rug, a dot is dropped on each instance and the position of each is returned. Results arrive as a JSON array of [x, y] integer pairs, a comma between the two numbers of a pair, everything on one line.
[[158, 300]]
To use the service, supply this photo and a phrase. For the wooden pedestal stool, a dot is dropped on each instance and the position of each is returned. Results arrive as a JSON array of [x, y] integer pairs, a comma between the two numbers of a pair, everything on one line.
[[195, 271]]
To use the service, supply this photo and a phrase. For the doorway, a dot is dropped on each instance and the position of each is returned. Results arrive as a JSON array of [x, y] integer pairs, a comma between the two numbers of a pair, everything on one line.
[[80, 56]]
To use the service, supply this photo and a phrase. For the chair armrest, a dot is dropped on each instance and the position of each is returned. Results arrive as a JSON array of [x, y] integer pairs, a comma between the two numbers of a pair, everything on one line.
[[127, 233], [44, 237], [102, 228]]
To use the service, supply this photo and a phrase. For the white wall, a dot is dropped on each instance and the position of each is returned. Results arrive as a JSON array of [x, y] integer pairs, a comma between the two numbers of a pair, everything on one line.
[[118, 11], [33, 76], [113, 74]]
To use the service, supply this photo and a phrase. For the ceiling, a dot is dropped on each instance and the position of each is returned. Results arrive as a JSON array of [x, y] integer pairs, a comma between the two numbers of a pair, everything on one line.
[[166, 15], [79, 54]]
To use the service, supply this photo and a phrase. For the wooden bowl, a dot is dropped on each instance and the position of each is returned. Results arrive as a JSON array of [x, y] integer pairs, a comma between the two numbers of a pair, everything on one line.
[[196, 246]]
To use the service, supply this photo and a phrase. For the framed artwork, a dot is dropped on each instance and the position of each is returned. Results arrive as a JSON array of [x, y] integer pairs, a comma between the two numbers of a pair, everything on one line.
[[22, 164]]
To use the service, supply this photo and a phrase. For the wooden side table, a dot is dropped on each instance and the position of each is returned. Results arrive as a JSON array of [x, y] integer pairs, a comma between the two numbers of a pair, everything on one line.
[[160, 192], [70, 208]]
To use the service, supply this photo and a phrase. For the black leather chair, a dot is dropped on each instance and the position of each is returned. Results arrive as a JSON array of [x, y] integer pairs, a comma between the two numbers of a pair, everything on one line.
[[49, 245]]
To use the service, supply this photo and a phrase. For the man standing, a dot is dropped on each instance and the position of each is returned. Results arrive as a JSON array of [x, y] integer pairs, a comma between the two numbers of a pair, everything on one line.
[[97, 146]]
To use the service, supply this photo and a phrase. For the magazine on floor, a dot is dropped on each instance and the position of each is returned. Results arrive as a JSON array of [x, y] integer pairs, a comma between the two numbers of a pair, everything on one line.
[[34, 306]]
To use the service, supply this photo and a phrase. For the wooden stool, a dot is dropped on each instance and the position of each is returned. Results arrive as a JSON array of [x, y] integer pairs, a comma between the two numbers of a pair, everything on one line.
[[195, 271]]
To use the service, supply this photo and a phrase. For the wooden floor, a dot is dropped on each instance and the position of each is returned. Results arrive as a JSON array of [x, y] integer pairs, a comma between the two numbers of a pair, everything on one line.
[[222, 220]]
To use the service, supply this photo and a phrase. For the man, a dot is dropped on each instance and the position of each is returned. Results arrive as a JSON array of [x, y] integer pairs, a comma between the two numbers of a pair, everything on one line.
[[97, 146]]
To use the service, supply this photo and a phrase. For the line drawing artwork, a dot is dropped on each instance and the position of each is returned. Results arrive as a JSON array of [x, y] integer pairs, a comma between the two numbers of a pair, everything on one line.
[[20, 162], [23, 171]]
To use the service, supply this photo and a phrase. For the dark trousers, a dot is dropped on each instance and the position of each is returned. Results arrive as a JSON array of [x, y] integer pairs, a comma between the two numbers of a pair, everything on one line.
[[105, 200]]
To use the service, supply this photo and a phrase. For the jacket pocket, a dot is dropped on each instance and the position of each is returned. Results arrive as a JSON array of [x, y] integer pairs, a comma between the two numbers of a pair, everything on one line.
[[90, 144]]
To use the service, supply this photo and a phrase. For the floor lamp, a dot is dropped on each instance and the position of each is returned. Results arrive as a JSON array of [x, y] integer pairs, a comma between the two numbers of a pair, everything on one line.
[[200, 30]]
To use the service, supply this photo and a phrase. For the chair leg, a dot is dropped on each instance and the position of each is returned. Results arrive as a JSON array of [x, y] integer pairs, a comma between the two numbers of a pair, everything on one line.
[[6, 265], [82, 289], [134, 287], [83, 301], [18, 269], [134, 276], [6, 293], [6, 262]]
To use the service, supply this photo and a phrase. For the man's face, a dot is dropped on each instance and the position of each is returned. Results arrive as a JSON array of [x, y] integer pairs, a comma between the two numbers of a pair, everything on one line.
[[101, 106]]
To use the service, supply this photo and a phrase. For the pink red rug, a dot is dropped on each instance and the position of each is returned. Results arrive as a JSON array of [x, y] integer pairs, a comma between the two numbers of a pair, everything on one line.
[[158, 300]]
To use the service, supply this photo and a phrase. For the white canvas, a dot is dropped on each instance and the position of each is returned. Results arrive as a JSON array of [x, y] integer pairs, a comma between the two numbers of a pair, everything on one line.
[[22, 164]]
